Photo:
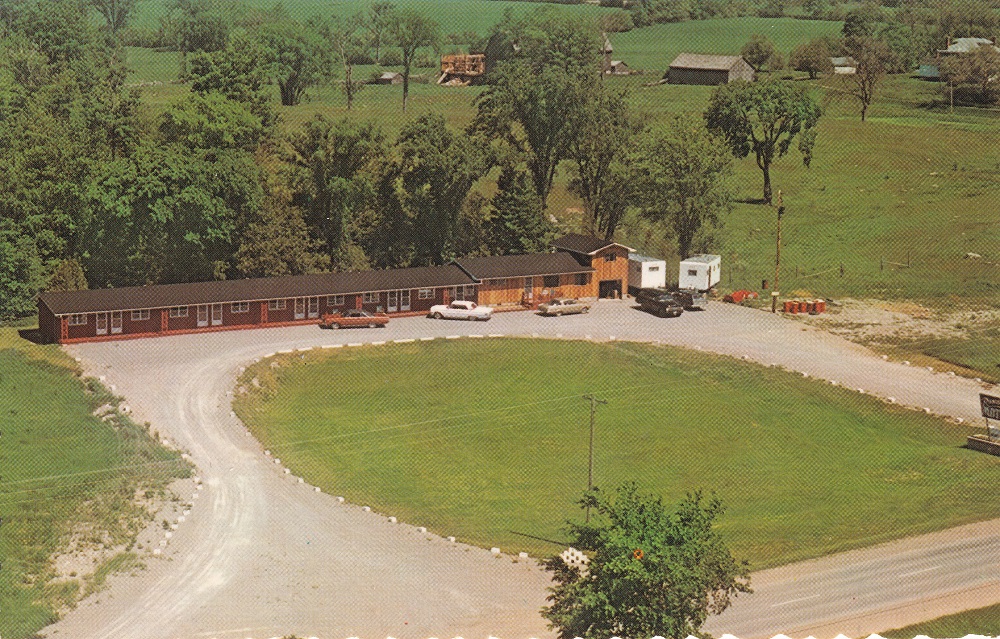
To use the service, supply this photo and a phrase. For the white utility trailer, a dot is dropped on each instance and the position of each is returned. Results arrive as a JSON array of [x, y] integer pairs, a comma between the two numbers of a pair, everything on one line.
[[700, 272], [646, 272]]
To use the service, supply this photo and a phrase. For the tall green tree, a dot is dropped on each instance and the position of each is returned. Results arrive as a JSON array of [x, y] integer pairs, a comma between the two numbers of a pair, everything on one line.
[[346, 38], [337, 164], [411, 30], [602, 134], [535, 94], [871, 58], [116, 13], [682, 178], [437, 168], [211, 122], [20, 275], [378, 25], [515, 224], [238, 72], [761, 53], [275, 241], [197, 25], [763, 118], [297, 58], [651, 572], [813, 57]]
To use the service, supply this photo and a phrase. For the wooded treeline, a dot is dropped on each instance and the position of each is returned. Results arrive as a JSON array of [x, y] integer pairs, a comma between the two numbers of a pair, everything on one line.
[[95, 192]]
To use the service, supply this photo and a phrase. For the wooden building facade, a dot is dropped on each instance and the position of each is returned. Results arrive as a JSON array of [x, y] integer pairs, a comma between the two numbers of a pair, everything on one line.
[[694, 68], [168, 309]]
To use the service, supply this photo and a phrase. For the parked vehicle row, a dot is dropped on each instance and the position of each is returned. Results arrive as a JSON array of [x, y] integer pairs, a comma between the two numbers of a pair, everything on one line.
[[563, 306], [461, 309]]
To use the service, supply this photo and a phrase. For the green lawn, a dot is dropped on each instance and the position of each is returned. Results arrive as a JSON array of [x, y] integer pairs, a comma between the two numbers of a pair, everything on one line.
[[63, 470], [487, 440], [982, 621]]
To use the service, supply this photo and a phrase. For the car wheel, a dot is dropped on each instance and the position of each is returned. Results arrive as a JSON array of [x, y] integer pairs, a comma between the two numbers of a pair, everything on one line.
[[663, 312], [334, 325], [372, 325], [586, 309], [437, 316], [558, 313]]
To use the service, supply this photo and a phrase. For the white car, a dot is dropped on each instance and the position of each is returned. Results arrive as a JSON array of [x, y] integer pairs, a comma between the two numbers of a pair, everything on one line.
[[461, 309]]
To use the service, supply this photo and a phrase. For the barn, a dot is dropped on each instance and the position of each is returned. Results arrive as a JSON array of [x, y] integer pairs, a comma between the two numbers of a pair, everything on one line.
[[390, 77], [694, 68], [581, 266], [608, 259]]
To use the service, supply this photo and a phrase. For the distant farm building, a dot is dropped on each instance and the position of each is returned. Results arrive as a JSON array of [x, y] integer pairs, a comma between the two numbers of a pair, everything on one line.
[[694, 68], [617, 67], [844, 65], [462, 69], [931, 68], [390, 77]]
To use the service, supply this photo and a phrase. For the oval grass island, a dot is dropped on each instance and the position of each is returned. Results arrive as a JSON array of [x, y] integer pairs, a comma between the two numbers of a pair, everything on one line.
[[487, 440]]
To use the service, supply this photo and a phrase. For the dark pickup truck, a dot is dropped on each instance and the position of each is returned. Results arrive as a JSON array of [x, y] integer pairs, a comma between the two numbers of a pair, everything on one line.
[[659, 302], [691, 300]]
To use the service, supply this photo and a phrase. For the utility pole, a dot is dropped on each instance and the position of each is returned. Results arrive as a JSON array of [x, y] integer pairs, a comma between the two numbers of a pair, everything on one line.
[[777, 255], [590, 469]]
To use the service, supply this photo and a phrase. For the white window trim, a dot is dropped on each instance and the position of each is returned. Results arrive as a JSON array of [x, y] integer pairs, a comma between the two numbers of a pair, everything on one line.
[[239, 307], [74, 320], [140, 316], [425, 294], [179, 311], [334, 300], [371, 298], [276, 305]]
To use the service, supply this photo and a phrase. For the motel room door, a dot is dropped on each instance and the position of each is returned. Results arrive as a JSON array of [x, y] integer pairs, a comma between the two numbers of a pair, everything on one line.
[[202, 315], [313, 307], [216, 314], [102, 323], [393, 304], [116, 322], [404, 300], [300, 308]]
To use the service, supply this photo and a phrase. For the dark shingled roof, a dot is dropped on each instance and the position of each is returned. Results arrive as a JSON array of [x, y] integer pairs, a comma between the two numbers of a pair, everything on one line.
[[500, 266], [249, 290], [708, 62], [585, 244]]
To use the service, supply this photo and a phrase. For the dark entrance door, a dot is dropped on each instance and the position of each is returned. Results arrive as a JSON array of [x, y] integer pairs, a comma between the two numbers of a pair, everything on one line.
[[609, 289]]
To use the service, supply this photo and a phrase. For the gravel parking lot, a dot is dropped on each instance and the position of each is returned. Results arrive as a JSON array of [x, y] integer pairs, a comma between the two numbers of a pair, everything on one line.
[[263, 555]]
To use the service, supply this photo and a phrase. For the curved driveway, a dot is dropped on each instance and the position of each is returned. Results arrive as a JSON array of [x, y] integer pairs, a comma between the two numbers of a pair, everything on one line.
[[263, 555]]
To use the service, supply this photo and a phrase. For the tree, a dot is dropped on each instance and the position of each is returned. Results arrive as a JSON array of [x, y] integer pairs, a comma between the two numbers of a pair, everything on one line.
[[275, 241], [602, 132], [67, 275], [812, 57], [197, 25], [763, 118], [411, 30], [761, 53], [871, 58], [815, 9], [297, 58], [684, 180], [976, 71], [651, 572], [378, 23], [863, 21], [238, 73], [211, 122], [20, 275], [336, 168], [534, 95], [515, 224], [435, 173], [115, 12], [348, 44]]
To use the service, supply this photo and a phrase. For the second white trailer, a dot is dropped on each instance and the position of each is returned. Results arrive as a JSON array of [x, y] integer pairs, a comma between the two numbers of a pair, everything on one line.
[[700, 272]]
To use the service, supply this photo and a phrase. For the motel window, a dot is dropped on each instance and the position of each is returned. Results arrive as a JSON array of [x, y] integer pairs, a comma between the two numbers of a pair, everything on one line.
[[78, 320], [550, 281], [654, 269], [582, 279], [240, 307], [276, 305], [425, 293], [692, 272], [371, 298], [179, 311], [610, 257], [138, 316], [334, 300]]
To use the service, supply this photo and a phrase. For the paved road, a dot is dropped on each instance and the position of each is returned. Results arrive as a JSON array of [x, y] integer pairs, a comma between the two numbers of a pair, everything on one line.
[[262, 555]]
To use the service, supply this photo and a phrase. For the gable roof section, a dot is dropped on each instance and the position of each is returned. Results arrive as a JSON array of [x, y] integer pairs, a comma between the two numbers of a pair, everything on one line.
[[502, 266], [705, 62], [584, 244], [250, 290]]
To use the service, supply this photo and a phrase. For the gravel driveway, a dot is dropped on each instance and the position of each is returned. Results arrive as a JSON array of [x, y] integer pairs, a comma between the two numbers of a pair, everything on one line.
[[262, 555]]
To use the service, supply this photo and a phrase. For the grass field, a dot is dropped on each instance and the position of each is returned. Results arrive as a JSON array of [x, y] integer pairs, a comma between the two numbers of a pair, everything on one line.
[[64, 472], [982, 621], [492, 445]]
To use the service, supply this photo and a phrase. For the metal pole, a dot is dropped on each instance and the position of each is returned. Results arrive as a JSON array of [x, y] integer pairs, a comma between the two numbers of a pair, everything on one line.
[[590, 467], [777, 256]]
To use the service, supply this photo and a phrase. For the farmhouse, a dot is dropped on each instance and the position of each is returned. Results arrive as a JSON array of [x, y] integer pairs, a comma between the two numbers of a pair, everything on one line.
[[931, 68], [844, 65], [581, 266], [694, 68]]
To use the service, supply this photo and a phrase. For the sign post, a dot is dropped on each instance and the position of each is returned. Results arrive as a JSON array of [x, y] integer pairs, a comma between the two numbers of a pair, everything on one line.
[[991, 410]]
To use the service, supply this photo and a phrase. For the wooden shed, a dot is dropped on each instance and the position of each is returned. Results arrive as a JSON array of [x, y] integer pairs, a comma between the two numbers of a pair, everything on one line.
[[528, 280], [617, 67], [608, 259], [694, 68], [390, 77]]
